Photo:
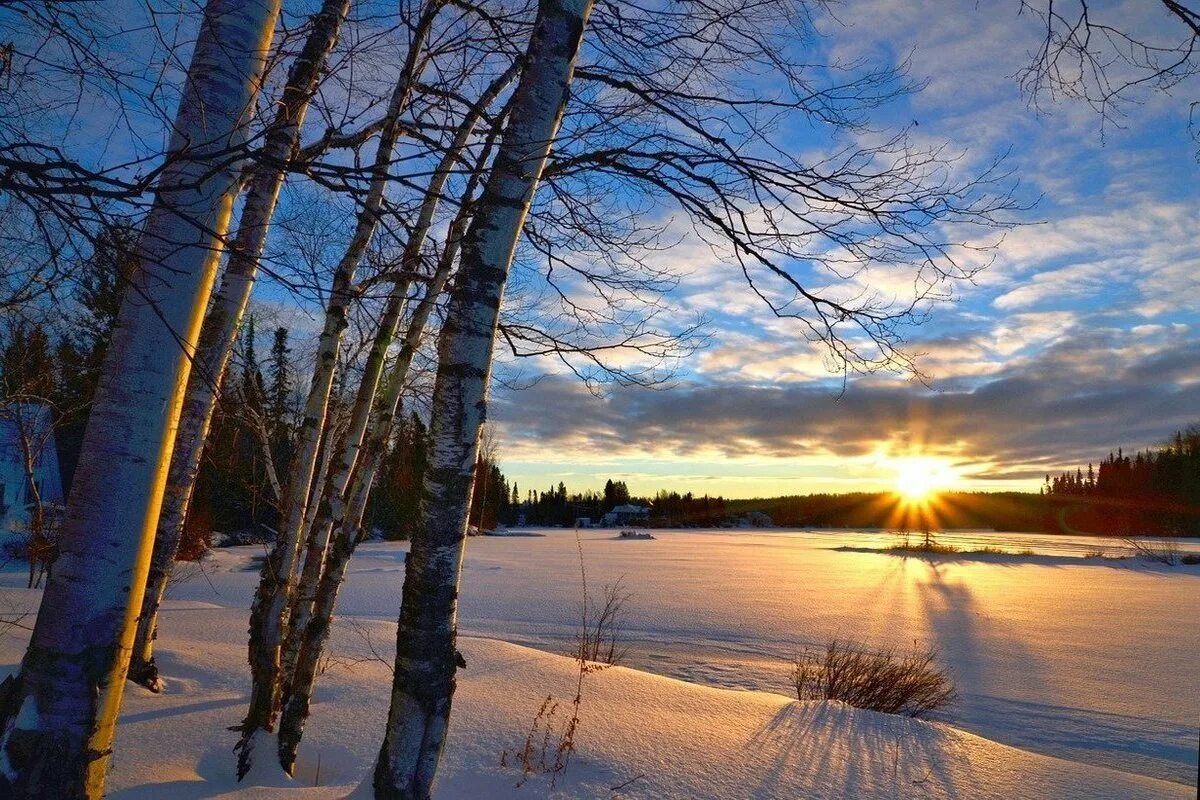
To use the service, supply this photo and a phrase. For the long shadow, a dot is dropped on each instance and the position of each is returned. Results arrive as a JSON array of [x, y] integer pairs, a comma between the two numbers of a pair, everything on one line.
[[975, 660], [190, 708], [1156, 748], [1130, 563], [950, 612], [851, 753]]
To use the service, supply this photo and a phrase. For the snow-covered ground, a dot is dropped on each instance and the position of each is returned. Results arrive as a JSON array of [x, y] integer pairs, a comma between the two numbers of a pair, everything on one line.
[[1091, 661]]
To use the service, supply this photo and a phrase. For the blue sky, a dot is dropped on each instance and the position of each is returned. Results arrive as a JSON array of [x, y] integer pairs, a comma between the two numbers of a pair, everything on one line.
[[1080, 337]]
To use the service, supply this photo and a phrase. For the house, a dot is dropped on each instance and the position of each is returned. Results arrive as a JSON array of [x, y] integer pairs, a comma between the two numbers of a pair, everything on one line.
[[26, 426], [624, 515], [583, 522]]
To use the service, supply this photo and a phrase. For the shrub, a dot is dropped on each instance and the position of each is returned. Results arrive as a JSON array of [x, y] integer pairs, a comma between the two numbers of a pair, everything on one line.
[[1190, 559], [885, 680], [551, 740], [925, 547], [1161, 551], [15, 547], [599, 638]]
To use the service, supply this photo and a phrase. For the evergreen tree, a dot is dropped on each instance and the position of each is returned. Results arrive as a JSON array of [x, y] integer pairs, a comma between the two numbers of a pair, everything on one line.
[[280, 423], [27, 366], [96, 297], [395, 504], [250, 374], [1154, 491], [280, 375]]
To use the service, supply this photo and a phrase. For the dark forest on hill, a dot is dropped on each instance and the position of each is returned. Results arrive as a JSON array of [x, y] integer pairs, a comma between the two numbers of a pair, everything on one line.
[[1154, 491]]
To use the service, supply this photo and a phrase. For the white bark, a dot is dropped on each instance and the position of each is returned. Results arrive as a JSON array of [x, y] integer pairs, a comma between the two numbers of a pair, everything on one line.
[[223, 321], [333, 426], [268, 614], [351, 444], [59, 712], [426, 658], [318, 526], [313, 636]]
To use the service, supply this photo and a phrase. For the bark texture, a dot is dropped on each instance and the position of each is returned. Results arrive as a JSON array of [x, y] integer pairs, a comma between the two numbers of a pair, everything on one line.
[[351, 444], [58, 714], [426, 658], [223, 321], [334, 480], [268, 613], [346, 525]]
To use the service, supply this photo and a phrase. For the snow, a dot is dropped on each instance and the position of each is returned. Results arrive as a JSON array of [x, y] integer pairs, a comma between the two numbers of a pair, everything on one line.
[[1092, 662]]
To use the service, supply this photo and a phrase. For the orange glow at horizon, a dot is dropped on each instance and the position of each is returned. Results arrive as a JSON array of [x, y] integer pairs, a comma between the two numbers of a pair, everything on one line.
[[919, 478]]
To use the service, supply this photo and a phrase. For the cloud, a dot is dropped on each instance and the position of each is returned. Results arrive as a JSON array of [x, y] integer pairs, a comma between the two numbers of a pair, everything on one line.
[[1070, 404]]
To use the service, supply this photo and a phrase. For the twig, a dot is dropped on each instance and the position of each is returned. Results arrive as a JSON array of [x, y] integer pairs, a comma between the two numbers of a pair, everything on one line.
[[621, 786]]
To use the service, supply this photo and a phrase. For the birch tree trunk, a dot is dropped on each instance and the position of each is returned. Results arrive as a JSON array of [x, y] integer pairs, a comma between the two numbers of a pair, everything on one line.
[[426, 657], [38, 549], [314, 635], [333, 429], [268, 613], [348, 453], [333, 480], [58, 715], [223, 321]]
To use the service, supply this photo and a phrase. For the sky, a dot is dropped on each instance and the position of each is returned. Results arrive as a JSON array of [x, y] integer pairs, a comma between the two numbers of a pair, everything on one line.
[[1081, 337]]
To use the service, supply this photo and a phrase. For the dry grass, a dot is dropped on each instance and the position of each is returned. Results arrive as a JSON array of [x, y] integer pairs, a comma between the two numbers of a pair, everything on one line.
[[550, 740], [599, 640], [1160, 551], [888, 681], [930, 547]]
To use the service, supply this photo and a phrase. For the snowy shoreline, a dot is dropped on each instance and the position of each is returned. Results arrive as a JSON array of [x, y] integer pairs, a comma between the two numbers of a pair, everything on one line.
[[1057, 685]]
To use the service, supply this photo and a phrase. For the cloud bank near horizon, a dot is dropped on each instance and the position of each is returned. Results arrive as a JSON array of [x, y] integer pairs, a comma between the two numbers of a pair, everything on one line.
[[1083, 334]]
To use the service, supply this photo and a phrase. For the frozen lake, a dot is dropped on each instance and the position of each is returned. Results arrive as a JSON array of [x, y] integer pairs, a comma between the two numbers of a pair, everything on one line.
[[1087, 660], [1094, 661]]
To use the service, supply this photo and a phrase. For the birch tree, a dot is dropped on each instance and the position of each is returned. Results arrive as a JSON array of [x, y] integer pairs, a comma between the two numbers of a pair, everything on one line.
[[345, 519], [351, 444], [268, 613], [58, 714], [426, 656], [224, 320]]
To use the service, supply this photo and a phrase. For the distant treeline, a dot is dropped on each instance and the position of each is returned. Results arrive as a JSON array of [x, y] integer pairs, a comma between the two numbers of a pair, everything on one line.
[[555, 506], [1154, 491], [1012, 511]]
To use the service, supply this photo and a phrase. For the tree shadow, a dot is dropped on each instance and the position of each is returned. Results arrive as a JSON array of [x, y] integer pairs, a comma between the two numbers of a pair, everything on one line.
[[1020, 559], [1157, 748], [950, 613], [189, 708], [848, 752]]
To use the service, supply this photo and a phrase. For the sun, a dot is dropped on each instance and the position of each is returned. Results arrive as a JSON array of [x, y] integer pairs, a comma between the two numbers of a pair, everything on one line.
[[918, 478]]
